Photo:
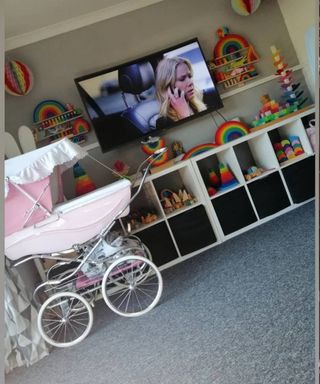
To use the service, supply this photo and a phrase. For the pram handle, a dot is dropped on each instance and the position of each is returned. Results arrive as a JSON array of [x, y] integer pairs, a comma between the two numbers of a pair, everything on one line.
[[150, 160]]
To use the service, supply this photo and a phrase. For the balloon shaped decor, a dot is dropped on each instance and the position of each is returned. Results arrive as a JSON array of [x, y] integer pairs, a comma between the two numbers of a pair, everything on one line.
[[18, 78], [245, 7]]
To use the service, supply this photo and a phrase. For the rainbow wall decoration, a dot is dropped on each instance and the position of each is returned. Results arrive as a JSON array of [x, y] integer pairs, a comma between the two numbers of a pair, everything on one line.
[[230, 130], [153, 144], [228, 43], [198, 149], [79, 126], [48, 109], [233, 59], [18, 78]]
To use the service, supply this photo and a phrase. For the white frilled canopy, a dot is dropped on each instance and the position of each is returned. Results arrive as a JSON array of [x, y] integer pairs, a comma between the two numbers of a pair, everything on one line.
[[40, 163]]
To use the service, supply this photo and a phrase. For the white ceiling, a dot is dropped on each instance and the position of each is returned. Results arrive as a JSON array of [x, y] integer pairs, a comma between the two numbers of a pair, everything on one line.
[[28, 21]]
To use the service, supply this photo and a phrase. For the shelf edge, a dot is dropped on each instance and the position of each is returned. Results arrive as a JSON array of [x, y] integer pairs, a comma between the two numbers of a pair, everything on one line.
[[254, 84]]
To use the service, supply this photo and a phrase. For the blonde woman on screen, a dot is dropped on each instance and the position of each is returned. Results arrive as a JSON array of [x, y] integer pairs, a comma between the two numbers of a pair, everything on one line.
[[176, 92]]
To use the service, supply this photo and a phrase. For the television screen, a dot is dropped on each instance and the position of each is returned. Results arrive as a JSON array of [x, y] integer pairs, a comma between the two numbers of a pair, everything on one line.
[[148, 95]]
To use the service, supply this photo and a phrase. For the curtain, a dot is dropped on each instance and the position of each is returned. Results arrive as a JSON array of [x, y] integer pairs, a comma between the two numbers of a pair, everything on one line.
[[23, 345]]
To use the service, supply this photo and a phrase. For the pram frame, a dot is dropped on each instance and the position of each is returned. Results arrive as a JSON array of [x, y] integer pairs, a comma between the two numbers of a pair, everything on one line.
[[83, 259], [104, 232]]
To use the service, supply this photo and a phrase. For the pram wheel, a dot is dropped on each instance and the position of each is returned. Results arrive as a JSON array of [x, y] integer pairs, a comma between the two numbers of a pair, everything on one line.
[[65, 319], [132, 286]]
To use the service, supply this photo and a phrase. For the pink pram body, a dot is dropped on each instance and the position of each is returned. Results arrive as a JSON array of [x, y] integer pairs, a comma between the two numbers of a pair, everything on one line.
[[17, 204], [73, 222]]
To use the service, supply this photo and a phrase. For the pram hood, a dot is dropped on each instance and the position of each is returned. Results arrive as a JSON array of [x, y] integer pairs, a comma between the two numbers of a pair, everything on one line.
[[40, 163]]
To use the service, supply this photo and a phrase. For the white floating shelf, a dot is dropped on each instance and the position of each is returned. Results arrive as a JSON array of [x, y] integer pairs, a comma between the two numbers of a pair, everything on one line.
[[253, 84]]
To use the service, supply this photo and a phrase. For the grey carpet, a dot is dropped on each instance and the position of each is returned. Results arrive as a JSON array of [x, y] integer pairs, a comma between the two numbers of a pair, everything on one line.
[[240, 313]]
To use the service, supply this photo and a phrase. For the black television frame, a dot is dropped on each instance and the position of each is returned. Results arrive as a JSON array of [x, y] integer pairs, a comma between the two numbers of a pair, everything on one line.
[[157, 131]]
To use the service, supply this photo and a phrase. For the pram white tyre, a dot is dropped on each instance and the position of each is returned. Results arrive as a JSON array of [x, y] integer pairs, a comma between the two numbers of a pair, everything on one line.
[[136, 251], [138, 291], [60, 315], [147, 252]]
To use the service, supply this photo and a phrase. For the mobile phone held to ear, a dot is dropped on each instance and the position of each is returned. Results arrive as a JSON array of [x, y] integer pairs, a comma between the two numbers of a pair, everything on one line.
[[179, 91]]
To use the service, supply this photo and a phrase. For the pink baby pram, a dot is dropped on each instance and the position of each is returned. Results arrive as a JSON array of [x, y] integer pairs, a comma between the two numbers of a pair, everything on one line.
[[89, 259]]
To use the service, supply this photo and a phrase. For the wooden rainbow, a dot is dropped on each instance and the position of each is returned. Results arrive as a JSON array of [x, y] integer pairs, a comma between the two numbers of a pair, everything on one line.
[[230, 130], [79, 126], [151, 146], [47, 109], [228, 44], [198, 149]]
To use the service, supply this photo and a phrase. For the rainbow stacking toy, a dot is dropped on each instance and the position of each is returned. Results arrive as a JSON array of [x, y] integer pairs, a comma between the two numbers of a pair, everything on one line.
[[227, 178], [287, 149], [296, 145], [214, 179], [290, 90], [281, 156], [83, 183]]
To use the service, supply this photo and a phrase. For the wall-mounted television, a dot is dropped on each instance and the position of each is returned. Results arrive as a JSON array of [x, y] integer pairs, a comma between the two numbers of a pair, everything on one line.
[[149, 95]]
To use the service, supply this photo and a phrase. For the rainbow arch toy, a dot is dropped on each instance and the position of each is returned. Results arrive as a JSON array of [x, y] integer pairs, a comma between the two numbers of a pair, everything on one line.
[[153, 144], [230, 47], [79, 126], [47, 109], [198, 149], [230, 130], [228, 43]]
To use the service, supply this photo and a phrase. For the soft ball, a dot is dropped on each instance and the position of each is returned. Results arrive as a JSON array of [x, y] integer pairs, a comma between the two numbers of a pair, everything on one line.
[[18, 78]]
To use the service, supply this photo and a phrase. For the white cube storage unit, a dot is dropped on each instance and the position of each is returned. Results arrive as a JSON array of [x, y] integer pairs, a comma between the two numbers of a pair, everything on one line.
[[210, 220], [184, 231], [235, 209]]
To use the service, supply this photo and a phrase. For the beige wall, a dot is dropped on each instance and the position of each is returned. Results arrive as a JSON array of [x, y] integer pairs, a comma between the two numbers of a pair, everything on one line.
[[55, 62], [299, 15]]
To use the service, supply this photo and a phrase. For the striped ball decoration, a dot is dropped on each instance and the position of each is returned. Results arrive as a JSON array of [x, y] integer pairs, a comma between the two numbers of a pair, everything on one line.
[[245, 7], [198, 149], [18, 78], [151, 145], [230, 130]]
